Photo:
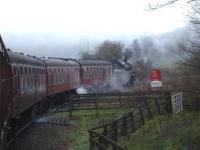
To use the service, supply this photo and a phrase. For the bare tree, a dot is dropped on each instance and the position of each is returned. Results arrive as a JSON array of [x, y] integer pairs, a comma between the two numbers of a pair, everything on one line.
[[109, 50], [160, 5], [86, 55], [189, 51]]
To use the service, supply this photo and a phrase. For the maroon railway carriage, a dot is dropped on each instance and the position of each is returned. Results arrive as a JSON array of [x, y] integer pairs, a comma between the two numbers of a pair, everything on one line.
[[29, 81], [26, 80], [95, 71], [5, 88], [62, 76]]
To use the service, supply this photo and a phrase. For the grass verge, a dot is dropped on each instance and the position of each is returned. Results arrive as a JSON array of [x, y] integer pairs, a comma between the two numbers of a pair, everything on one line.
[[83, 120], [181, 132]]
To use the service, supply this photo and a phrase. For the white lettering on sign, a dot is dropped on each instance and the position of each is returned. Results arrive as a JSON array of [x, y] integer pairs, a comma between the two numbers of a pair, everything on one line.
[[156, 84]]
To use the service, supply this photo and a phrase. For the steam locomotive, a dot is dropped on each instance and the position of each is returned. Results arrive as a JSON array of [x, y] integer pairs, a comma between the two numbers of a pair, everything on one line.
[[28, 83]]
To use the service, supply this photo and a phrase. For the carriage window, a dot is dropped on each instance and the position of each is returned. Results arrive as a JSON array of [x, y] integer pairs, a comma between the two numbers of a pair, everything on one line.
[[25, 70], [83, 73], [28, 83], [29, 70], [21, 85], [62, 78], [14, 70], [43, 81], [24, 83], [89, 74], [21, 70], [40, 81]]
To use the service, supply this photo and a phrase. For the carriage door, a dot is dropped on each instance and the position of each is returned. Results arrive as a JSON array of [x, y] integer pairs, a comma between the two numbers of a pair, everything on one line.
[[104, 74], [5, 87], [1, 90], [16, 87]]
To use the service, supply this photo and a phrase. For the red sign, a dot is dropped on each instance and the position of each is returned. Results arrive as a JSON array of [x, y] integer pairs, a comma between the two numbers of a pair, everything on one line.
[[155, 75]]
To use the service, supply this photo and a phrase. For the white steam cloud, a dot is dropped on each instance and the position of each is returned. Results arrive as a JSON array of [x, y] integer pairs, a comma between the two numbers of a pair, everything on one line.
[[81, 90]]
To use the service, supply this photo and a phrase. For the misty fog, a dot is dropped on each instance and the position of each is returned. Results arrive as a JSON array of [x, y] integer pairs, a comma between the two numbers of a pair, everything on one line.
[[66, 28], [155, 47]]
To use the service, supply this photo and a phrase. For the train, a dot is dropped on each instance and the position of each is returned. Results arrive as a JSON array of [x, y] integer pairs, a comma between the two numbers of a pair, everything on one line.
[[29, 83]]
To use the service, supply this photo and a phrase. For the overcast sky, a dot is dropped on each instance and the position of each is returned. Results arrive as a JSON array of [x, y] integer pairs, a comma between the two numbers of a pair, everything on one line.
[[68, 24]]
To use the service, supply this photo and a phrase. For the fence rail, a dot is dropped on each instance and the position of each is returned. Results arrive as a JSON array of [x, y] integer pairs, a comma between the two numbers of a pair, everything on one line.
[[104, 137], [108, 100]]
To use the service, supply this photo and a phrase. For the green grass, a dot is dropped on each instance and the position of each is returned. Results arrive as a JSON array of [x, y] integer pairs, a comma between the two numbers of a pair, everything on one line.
[[181, 132], [84, 120]]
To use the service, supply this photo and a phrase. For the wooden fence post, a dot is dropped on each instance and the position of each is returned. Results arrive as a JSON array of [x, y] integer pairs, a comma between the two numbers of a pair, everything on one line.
[[120, 103], [141, 116], [157, 106], [115, 126], [148, 109], [132, 122], [197, 103], [169, 104], [92, 145], [105, 134], [96, 106], [125, 126], [70, 109], [79, 102], [115, 134]]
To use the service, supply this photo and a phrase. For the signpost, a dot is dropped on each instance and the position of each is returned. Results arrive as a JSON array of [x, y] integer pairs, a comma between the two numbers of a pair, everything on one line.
[[155, 78]]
